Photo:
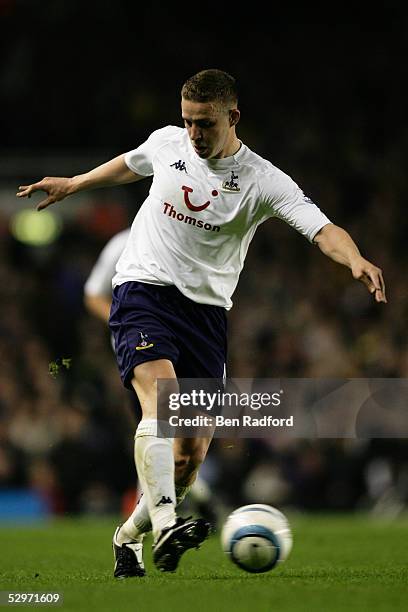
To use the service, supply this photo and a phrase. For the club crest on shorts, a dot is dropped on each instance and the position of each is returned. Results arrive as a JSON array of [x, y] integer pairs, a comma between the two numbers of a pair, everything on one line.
[[143, 342]]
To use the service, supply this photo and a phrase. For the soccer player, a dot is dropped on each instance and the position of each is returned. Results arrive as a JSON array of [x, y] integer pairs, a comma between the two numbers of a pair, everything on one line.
[[98, 300], [175, 279], [98, 286]]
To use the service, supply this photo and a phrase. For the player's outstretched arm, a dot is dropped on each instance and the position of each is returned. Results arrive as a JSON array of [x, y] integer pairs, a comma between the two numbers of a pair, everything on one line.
[[113, 172], [337, 244], [98, 305]]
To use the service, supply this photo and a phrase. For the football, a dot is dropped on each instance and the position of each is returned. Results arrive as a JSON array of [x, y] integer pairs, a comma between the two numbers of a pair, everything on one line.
[[256, 537]]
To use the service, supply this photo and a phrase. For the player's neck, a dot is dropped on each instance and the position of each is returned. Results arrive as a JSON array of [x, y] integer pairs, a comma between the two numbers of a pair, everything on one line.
[[232, 147]]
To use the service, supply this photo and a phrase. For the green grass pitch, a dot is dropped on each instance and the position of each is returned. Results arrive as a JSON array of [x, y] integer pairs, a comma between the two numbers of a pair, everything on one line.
[[338, 563]]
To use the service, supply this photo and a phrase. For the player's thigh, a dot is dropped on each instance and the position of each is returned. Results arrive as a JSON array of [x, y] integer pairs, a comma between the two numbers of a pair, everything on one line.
[[144, 382]]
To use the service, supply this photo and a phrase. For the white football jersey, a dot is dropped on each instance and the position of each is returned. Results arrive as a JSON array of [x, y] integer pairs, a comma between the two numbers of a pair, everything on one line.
[[99, 281], [194, 229]]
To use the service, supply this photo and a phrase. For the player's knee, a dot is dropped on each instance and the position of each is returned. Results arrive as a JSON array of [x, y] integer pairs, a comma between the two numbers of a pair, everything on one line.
[[187, 465], [153, 395]]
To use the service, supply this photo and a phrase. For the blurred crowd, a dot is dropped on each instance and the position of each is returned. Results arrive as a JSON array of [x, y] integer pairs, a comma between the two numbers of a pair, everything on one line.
[[340, 133], [66, 423]]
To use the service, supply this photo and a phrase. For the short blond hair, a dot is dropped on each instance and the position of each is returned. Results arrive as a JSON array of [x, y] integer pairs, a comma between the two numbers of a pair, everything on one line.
[[211, 85]]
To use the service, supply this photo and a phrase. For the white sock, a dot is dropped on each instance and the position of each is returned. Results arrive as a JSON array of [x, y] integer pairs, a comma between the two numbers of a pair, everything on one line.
[[155, 468], [139, 522]]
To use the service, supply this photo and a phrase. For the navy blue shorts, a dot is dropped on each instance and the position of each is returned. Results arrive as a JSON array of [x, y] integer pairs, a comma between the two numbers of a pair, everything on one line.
[[150, 322]]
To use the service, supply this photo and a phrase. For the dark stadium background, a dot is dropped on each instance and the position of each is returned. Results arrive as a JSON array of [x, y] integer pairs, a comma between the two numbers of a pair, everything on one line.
[[81, 82]]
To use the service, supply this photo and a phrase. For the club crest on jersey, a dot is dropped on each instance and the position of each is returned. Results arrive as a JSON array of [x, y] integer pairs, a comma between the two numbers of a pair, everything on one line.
[[143, 342], [231, 185], [179, 165]]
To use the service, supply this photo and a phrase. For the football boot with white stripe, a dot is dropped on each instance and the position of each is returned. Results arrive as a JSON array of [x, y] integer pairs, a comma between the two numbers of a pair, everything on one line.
[[128, 558], [174, 541]]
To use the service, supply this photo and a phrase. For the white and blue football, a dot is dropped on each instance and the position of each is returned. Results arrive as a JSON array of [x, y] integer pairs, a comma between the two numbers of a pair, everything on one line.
[[257, 537]]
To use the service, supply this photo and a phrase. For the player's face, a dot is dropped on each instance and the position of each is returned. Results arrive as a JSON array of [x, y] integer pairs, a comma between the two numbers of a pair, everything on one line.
[[210, 128]]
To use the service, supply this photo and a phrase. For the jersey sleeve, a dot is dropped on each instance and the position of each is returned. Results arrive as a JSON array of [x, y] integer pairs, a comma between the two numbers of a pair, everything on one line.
[[140, 160], [283, 198], [99, 282]]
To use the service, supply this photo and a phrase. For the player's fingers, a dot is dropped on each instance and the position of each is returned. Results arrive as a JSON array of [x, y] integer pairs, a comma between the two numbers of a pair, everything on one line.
[[25, 191], [375, 284], [378, 284], [382, 282], [380, 296], [366, 280], [45, 203]]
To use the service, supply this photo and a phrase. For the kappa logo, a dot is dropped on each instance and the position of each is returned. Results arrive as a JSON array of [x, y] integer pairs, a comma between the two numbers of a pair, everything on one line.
[[143, 342], [179, 165], [232, 184], [164, 500]]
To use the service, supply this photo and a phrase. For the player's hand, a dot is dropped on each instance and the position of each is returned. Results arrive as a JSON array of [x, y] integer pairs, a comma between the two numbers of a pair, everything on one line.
[[371, 276], [56, 189]]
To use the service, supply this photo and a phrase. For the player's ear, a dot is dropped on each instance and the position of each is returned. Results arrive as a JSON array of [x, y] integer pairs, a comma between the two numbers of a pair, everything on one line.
[[234, 116]]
